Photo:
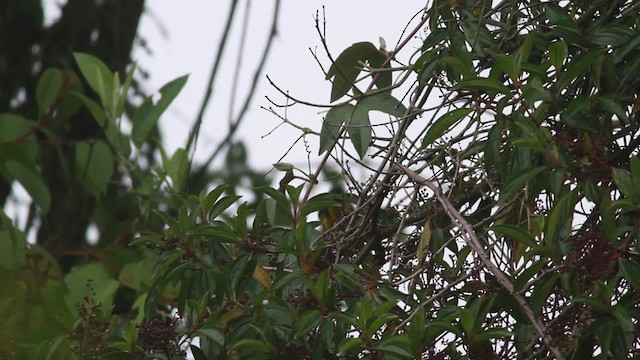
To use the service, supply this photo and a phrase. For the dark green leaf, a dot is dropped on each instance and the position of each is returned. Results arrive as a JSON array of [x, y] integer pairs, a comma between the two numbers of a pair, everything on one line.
[[251, 345], [359, 130], [443, 124], [557, 54], [517, 181], [345, 69], [331, 125], [515, 232], [624, 182], [197, 353], [48, 89], [383, 102], [490, 86], [631, 271]]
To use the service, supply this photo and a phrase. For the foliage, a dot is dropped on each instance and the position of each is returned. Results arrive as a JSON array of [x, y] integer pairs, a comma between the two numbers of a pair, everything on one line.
[[500, 222]]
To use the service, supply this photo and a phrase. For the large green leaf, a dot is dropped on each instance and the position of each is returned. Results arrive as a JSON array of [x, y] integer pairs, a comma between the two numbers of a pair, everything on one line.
[[517, 181], [31, 182], [95, 163], [383, 102], [99, 78], [147, 116], [359, 130], [336, 116], [48, 89], [346, 68]]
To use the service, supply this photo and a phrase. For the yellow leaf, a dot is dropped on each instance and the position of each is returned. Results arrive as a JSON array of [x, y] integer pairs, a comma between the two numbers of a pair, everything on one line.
[[262, 276], [425, 239]]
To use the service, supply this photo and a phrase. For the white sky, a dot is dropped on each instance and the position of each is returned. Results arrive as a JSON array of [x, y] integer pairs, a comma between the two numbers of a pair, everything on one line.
[[193, 32]]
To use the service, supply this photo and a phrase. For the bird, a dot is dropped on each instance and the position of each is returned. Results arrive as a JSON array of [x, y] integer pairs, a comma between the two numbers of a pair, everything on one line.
[[330, 216]]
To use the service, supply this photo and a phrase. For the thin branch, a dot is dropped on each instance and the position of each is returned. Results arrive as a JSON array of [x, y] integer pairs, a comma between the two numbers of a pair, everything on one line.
[[195, 130], [254, 84]]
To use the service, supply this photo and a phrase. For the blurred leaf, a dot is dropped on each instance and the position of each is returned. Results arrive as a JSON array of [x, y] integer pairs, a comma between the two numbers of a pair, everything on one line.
[[177, 167], [95, 163], [49, 87], [148, 114], [32, 182], [91, 280], [98, 76]]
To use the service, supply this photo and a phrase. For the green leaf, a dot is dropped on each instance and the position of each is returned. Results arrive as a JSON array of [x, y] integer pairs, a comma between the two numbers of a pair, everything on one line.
[[211, 333], [635, 171], [611, 104], [320, 202], [515, 232], [212, 197], [282, 166], [557, 53], [48, 89], [624, 182], [98, 76], [383, 102], [178, 168], [505, 63], [578, 65], [559, 217], [95, 163], [359, 130], [18, 140], [197, 353], [240, 274], [346, 68], [443, 124], [631, 44], [31, 182], [13, 247], [308, 321], [487, 85], [88, 279], [280, 199], [336, 116], [147, 116], [492, 334], [631, 272], [251, 345], [517, 181], [348, 344]]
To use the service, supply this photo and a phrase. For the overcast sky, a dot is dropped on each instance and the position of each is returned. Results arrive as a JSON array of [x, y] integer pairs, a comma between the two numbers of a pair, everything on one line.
[[184, 39]]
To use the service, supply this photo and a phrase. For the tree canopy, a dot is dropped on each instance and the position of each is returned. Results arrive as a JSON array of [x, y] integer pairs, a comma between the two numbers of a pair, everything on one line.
[[485, 204]]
